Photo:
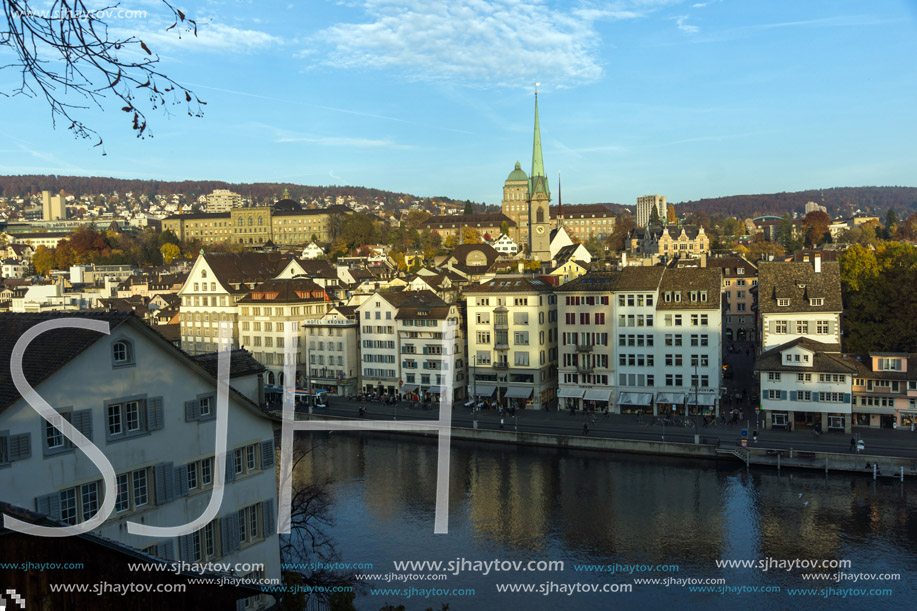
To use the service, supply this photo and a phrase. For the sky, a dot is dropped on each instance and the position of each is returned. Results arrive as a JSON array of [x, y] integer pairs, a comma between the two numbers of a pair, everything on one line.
[[685, 99]]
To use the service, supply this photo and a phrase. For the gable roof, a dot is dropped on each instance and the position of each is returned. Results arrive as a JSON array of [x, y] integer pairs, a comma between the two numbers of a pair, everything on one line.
[[244, 267], [826, 359], [799, 282]]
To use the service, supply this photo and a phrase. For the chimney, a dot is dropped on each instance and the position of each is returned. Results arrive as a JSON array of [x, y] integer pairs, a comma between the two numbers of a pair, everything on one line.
[[521, 266], [816, 259]]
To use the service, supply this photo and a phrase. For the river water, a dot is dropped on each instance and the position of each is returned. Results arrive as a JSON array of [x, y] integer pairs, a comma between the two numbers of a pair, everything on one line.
[[522, 504]]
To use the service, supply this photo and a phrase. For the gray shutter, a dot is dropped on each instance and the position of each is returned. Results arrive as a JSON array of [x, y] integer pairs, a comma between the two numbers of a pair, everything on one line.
[[181, 480], [268, 518], [229, 527], [192, 410], [166, 550], [846, 397], [82, 421], [154, 415], [20, 446], [815, 395], [782, 395], [230, 467], [267, 453], [163, 480], [48, 505], [792, 395], [185, 548], [764, 394]]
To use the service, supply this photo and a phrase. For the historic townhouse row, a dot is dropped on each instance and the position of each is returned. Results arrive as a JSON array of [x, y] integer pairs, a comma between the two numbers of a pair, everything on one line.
[[641, 340], [151, 409]]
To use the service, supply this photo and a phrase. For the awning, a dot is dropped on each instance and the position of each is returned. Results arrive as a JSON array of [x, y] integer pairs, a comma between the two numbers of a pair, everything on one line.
[[598, 394], [409, 388], [514, 392], [704, 399], [635, 398], [866, 409], [485, 391], [434, 390], [670, 398], [570, 393]]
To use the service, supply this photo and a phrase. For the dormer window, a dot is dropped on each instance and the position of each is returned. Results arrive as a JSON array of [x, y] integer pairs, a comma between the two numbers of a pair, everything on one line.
[[890, 364], [783, 301], [817, 301], [678, 296], [740, 271], [703, 296]]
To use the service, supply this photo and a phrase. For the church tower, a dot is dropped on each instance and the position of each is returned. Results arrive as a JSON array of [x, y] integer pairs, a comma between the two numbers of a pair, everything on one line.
[[539, 200], [516, 203]]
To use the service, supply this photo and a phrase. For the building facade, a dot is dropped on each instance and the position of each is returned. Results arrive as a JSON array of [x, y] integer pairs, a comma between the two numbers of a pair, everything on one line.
[[740, 279], [332, 349], [645, 206], [512, 341]]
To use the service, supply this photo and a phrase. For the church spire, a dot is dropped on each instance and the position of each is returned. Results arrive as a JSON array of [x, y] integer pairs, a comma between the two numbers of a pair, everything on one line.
[[560, 204], [538, 181]]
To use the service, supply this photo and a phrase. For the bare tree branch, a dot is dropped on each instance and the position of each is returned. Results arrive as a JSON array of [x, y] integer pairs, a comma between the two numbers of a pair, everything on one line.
[[66, 55]]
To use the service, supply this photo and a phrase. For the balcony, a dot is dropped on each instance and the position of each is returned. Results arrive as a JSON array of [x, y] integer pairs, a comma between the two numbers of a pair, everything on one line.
[[501, 346], [584, 347], [585, 368], [501, 365]]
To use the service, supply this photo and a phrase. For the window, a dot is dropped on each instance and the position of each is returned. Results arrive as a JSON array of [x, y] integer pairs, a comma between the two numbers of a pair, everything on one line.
[[821, 327], [210, 539], [783, 302], [140, 488], [122, 354], [773, 376], [132, 415], [250, 458], [68, 506], [802, 327], [237, 461], [89, 494], [781, 326], [114, 420], [192, 475], [122, 499], [207, 471]]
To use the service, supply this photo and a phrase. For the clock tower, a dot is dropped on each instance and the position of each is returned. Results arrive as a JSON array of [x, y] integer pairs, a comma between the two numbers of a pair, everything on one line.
[[539, 200]]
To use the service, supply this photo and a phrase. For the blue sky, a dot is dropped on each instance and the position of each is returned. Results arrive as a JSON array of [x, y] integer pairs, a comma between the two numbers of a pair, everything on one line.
[[434, 97]]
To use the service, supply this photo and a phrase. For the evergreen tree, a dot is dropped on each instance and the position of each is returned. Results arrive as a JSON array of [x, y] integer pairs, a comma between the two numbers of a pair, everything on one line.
[[468, 208]]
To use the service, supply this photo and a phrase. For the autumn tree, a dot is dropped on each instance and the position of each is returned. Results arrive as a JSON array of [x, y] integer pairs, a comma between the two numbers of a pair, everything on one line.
[[68, 56], [891, 223], [504, 228], [169, 252], [470, 235], [908, 229], [786, 234], [762, 249], [617, 240], [815, 227], [670, 216], [43, 260]]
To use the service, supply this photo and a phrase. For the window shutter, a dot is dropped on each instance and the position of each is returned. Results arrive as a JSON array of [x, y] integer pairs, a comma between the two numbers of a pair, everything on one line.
[[163, 477], [166, 550], [154, 416], [782, 395], [764, 394], [267, 453], [229, 527], [181, 480], [815, 396], [230, 467], [82, 421], [240, 604], [185, 548], [192, 410], [792, 395], [268, 518], [20, 446], [48, 505], [846, 397]]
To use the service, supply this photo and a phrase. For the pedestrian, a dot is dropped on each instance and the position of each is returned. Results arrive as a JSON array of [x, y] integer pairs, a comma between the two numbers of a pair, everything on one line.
[[501, 422], [853, 443], [755, 435], [585, 429]]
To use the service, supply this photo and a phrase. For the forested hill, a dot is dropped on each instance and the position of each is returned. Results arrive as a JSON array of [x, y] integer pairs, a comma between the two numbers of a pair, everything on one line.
[[840, 201], [24, 185]]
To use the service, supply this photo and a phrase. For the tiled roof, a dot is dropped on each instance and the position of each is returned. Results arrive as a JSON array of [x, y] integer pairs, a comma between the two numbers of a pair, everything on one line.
[[244, 267], [584, 211], [51, 351], [453, 221], [241, 363], [826, 358], [799, 283], [285, 290], [732, 265], [697, 282], [511, 284]]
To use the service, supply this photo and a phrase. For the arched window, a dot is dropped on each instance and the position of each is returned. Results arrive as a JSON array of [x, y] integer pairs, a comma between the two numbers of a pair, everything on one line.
[[203, 273], [251, 221], [539, 215], [261, 220], [122, 353], [240, 221]]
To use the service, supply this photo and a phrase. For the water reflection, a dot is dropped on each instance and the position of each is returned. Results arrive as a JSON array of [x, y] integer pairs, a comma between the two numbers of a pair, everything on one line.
[[604, 508]]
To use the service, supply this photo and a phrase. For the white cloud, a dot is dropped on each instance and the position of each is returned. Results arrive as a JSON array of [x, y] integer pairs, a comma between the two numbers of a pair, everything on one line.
[[485, 42], [213, 37], [684, 27]]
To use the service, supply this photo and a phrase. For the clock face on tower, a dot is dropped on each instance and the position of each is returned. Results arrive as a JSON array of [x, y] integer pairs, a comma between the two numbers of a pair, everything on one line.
[[539, 230]]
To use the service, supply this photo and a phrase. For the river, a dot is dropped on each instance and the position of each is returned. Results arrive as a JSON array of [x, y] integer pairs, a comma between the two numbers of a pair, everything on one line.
[[659, 518]]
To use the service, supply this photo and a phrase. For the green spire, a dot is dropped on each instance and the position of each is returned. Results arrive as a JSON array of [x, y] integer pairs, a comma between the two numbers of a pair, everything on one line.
[[538, 181], [537, 163]]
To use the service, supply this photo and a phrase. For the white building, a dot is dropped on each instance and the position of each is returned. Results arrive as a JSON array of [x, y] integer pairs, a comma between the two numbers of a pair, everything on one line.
[[312, 251], [151, 410], [223, 200], [645, 206], [805, 383], [425, 362], [505, 245], [799, 299], [332, 351], [512, 341], [379, 351]]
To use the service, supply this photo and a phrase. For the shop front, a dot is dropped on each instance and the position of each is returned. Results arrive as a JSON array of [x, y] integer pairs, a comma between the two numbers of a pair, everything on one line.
[[570, 398], [635, 403], [517, 397], [669, 403], [597, 399], [701, 404]]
